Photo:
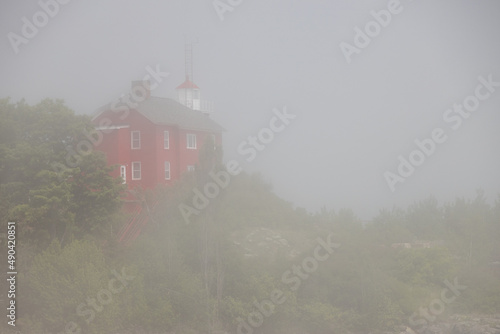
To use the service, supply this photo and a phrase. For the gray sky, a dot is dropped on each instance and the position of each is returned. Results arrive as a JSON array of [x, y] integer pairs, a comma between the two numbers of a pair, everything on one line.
[[353, 119]]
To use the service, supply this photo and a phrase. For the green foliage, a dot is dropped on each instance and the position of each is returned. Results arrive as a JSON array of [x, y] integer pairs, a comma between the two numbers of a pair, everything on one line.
[[483, 291], [61, 279], [425, 219], [194, 277], [205, 276], [424, 266], [52, 183]]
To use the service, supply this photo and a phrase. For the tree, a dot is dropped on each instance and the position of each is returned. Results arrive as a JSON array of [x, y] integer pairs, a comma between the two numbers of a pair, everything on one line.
[[61, 285], [425, 219], [52, 183]]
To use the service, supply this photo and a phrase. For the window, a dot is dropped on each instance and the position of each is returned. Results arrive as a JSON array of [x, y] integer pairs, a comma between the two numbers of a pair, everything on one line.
[[167, 170], [136, 140], [123, 173], [191, 141], [136, 170], [190, 168], [166, 140]]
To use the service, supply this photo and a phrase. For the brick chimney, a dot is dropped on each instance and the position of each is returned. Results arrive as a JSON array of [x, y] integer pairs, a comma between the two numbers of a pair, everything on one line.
[[141, 89]]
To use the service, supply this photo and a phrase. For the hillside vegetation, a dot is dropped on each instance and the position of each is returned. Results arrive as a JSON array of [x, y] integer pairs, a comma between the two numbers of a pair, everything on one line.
[[248, 262]]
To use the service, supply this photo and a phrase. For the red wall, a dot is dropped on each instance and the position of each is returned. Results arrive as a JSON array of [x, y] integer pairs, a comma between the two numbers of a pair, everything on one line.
[[116, 144]]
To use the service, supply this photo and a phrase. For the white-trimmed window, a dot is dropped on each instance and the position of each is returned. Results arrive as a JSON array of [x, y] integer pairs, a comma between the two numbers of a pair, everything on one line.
[[135, 140], [214, 142], [190, 168], [167, 170], [123, 173], [166, 140], [191, 140], [136, 170], [196, 93]]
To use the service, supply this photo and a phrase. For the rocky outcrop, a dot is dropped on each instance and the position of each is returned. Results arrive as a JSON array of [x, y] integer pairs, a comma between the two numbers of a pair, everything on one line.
[[460, 325]]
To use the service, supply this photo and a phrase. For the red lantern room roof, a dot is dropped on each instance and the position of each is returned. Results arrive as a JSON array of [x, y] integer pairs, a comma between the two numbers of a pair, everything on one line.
[[188, 84]]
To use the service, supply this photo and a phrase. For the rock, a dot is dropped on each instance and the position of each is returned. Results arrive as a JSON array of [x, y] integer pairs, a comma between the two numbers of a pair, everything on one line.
[[433, 329], [467, 327], [408, 330]]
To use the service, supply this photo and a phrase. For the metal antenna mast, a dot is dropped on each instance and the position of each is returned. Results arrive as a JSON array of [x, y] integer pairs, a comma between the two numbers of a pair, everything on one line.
[[188, 63], [188, 60]]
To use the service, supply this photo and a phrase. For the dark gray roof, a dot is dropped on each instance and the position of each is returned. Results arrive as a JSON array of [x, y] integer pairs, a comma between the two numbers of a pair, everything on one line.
[[167, 111]]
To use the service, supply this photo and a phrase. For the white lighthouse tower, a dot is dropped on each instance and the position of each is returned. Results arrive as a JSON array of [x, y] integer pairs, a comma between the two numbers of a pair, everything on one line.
[[188, 93]]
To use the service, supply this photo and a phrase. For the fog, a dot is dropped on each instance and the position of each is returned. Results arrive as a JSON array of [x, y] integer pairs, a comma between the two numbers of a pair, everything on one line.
[[355, 114]]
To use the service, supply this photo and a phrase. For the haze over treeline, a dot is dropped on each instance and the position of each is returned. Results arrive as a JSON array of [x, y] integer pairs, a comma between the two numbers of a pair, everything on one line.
[[355, 189], [247, 263], [361, 99]]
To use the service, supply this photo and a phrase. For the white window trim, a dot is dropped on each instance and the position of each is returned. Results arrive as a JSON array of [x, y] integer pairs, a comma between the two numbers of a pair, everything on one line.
[[190, 168], [214, 140], [166, 140], [123, 173], [167, 163], [133, 170], [187, 141], [132, 140]]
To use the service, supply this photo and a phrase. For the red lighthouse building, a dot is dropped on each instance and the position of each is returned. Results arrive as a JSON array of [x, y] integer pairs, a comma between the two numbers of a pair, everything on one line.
[[158, 139]]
